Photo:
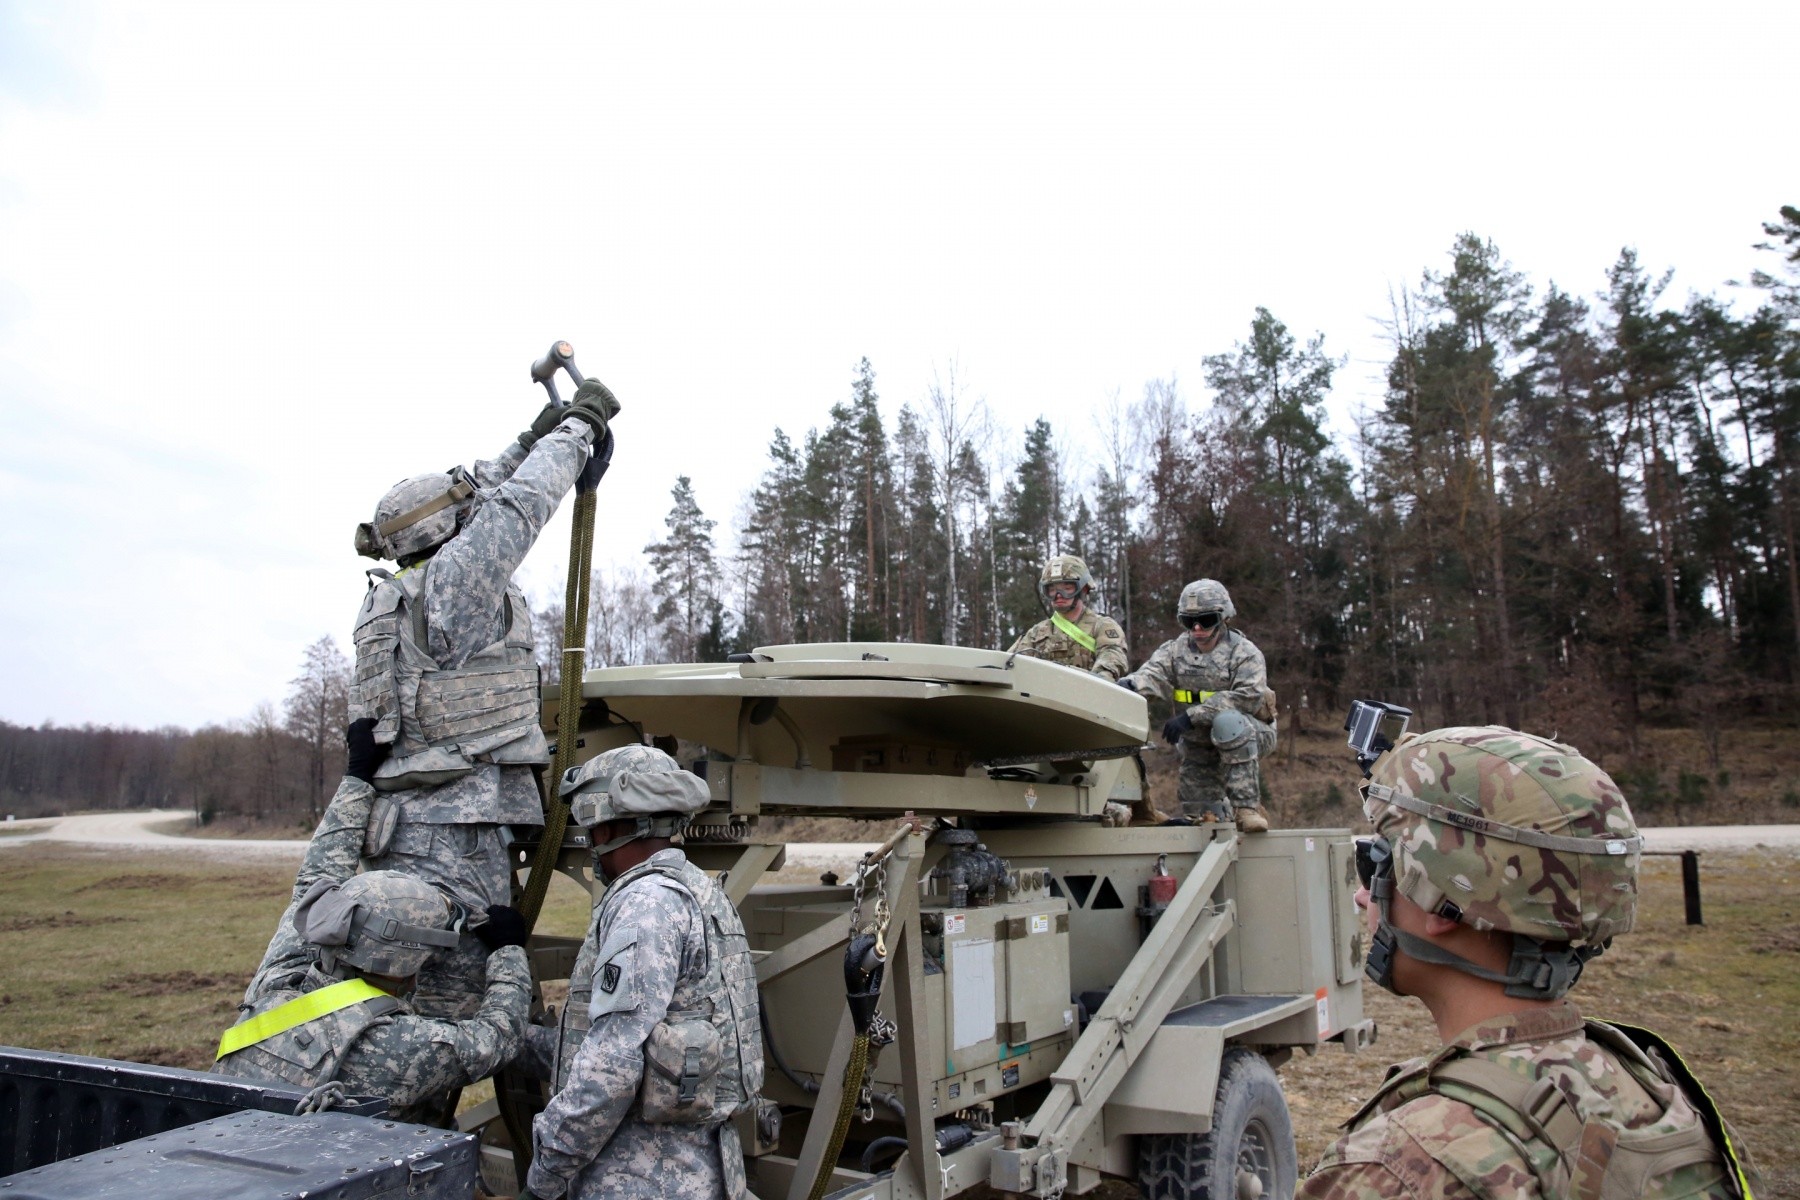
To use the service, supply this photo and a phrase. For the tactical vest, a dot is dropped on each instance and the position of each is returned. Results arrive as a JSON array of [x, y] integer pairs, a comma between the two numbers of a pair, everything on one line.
[[1572, 1155], [442, 722], [308, 1054], [703, 1061]]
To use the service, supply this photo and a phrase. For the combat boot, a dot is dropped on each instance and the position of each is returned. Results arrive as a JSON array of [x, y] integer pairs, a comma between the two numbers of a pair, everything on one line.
[[1252, 819]]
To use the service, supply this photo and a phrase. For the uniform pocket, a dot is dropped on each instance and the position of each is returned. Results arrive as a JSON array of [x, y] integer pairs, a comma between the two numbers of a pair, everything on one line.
[[681, 1071]]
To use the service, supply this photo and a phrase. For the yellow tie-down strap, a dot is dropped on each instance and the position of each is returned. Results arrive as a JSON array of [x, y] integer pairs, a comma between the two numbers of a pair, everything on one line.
[[297, 1011], [1072, 631], [1186, 697]]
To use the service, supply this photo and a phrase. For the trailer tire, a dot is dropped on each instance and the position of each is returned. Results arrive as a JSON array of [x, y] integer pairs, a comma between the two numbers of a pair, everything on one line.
[[1250, 1145]]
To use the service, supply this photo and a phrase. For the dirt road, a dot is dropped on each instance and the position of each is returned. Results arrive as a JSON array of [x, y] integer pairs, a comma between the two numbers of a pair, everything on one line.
[[150, 830]]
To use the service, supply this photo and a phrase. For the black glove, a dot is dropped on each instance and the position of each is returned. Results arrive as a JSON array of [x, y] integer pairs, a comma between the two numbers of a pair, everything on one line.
[[364, 753], [1174, 727], [593, 403], [1127, 685], [505, 927], [547, 419]]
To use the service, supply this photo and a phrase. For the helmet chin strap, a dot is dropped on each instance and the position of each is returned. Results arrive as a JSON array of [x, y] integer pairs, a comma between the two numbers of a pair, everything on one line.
[[645, 826], [1538, 971]]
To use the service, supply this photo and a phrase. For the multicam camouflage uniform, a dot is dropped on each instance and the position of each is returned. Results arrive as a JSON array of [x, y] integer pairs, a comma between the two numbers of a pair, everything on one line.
[[450, 834], [661, 932], [1499, 830], [1229, 677], [1414, 1142], [375, 1047], [1044, 640]]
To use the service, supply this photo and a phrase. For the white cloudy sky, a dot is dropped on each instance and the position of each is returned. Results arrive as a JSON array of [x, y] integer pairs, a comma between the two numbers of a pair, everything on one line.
[[258, 262]]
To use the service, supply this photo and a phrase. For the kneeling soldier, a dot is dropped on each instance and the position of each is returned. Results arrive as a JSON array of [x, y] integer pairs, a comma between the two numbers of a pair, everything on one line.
[[330, 1000]]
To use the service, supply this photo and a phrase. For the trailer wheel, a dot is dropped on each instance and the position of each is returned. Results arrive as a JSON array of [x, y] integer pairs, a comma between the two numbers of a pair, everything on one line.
[[1249, 1153]]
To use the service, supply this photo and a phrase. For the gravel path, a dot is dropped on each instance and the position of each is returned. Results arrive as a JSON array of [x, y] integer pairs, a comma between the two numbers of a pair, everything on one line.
[[140, 830]]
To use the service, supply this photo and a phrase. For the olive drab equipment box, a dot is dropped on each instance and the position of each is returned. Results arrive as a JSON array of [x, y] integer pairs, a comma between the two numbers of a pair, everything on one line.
[[1048, 1018]]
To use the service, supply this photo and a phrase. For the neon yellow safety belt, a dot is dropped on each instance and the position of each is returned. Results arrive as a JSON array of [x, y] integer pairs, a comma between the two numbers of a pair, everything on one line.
[[1073, 631], [1186, 697], [297, 1011]]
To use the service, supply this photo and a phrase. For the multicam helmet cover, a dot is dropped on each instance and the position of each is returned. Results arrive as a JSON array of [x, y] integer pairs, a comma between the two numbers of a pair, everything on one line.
[[416, 515], [1204, 596], [382, 921], [1065, 568], [1508, 831]]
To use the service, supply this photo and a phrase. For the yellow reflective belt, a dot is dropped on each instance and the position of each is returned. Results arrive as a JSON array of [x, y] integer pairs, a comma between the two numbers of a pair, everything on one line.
[[1073, 631], [297, 1011], [1186, 697]]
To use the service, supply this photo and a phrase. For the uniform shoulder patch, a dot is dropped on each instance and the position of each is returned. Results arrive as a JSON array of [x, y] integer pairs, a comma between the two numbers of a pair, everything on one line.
[[609, 978]]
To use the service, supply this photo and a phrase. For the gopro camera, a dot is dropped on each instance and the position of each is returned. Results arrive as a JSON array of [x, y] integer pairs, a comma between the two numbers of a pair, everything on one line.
[[1374, 726]]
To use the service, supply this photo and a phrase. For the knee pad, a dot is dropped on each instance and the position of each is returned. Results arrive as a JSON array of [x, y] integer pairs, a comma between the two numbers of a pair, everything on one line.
[[1234, 736]]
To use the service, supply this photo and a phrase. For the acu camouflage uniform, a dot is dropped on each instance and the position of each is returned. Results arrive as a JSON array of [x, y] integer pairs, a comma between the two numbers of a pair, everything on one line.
[[1423, 1136], [375, 1047], [1107, 658], [665, 953], [1230, 677], [450, 833]]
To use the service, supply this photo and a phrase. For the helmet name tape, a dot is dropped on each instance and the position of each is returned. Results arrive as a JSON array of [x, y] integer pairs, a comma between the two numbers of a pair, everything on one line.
[[1385, 794]]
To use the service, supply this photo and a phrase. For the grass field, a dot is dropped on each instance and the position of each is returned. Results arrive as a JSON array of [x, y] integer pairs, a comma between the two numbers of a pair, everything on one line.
[[144, 957]]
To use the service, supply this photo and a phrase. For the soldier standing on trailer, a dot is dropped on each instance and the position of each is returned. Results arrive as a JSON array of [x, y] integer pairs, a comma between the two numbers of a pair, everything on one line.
[[446, 665], [1224, 718], [1074, 635]]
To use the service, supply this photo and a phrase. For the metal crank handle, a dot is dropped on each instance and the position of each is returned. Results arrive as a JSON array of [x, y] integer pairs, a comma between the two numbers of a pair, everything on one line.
[[560, 355]]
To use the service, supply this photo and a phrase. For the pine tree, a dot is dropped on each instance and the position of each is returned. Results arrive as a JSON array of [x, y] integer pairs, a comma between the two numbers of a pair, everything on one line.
[[686, 575]]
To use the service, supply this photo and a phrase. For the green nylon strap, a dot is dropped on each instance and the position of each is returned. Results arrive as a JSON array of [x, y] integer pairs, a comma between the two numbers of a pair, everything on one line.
[[853, 1081], [297, 1011], [1072, 631], [1183, 696]]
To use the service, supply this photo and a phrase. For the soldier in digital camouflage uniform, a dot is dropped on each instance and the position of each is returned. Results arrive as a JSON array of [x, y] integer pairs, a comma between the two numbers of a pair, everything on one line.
[[328, 1002], [1501, 863], [1074, 635], [446, 664], [659, 1043], [1224, 718]]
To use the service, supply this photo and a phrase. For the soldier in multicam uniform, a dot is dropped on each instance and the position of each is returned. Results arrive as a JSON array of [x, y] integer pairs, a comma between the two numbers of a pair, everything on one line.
[[328, 1002], [1075, 635], [659, 1043], [1224, 716], [446, 664], [1501, 863]]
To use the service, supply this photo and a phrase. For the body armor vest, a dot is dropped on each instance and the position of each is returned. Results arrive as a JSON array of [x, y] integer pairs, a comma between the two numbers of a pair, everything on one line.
[[310, 1053], [441, 722], [679, 1060], [1572, 1155]]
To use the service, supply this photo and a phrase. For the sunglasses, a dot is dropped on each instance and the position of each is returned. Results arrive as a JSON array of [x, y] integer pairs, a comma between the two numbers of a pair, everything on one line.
[[1374, 859], [1206, 620]]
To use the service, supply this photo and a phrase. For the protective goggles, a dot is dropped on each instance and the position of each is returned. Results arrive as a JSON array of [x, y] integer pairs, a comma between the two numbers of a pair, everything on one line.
[[1374, 860], [1208, 621], [1066, 590]]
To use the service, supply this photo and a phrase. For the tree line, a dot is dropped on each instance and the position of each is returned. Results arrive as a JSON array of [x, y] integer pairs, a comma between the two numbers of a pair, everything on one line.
[[1574, 513]]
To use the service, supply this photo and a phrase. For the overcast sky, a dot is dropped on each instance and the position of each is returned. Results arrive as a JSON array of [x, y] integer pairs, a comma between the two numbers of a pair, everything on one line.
[[259, 262]]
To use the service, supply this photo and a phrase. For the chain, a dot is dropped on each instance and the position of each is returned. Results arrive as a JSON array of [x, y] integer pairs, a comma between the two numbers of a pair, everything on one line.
[[882, 1032]]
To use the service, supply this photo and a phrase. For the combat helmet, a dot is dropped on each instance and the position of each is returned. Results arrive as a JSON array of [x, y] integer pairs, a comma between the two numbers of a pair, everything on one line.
[[416, 516], [1065, 568], [1501, 830], [1204, 596], [633, 781], [383, 922]]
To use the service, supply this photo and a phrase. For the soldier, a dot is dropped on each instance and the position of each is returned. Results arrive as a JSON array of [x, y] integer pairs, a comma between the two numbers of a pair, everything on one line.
[[1075, 635], [328, 1002], [445, 663], [1224, 711], [1501, 863], [659, 1043]]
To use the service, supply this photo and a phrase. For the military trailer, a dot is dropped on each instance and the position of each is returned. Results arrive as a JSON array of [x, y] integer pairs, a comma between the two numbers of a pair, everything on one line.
[[1064, 1002]]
